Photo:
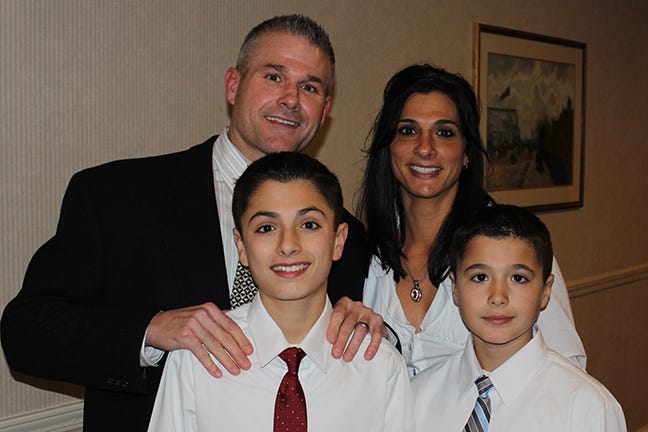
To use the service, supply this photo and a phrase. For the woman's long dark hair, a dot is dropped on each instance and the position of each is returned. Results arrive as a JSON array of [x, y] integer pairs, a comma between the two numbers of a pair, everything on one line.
[[380, 201]]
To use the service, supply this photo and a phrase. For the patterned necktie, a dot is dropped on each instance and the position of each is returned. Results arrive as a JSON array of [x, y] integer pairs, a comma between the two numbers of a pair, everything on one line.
[[480, 416], [290, 406], [244, 288]]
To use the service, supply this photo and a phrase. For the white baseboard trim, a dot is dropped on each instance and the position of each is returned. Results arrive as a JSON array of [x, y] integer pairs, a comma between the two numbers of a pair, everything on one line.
[[62, 418]]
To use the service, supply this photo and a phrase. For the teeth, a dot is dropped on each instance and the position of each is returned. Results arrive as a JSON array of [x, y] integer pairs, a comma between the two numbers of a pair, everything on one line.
[[282, 121], [290, 268], [424, 170]]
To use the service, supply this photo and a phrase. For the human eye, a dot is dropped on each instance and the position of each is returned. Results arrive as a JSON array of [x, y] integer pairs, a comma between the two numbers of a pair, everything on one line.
[[446, 132], [518, 278], [479, 277], [310, 225], [272, 77], [406, 130], [266, 228], [310, 88]]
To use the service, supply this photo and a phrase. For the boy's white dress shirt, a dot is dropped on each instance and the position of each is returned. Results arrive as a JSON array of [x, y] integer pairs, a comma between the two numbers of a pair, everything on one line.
[[357, 396], [536, 389], [444, 333]]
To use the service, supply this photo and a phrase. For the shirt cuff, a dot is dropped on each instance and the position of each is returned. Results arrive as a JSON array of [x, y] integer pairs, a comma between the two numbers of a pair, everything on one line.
[[149, 356]]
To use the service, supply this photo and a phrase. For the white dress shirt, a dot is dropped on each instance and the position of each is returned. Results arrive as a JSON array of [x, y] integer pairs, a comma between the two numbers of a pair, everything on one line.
[[536, 389], [228, 163], [443, 332], [357, 396]]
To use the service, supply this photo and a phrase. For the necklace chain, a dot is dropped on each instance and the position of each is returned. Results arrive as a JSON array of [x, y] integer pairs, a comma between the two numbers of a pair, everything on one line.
[[416, 294]]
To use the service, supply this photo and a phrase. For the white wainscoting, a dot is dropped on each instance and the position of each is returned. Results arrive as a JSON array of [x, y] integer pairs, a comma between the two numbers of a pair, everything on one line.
[[65, 418]]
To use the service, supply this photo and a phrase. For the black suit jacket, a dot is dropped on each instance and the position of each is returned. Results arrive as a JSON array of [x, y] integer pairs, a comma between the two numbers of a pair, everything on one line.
[[134, 237]]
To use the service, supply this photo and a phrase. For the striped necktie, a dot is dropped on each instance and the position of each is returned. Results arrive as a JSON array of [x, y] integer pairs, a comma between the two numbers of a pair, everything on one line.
[[480, 416], [244, 288]]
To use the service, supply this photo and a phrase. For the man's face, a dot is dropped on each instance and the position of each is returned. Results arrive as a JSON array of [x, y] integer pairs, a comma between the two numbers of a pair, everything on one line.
[[281, 98]]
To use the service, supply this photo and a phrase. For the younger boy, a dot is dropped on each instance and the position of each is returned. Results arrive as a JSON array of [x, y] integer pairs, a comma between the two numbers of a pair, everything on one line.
[[500, 262], [287, 210]]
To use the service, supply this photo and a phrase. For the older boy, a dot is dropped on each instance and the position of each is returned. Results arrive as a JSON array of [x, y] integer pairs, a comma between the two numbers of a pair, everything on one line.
[[288, 213], [506, 378]]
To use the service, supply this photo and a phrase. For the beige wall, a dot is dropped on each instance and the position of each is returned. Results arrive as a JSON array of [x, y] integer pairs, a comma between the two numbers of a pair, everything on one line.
[[83, 82]]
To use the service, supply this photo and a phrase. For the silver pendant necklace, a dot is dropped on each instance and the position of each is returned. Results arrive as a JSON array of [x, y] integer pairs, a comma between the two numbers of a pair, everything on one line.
[[415, 293]]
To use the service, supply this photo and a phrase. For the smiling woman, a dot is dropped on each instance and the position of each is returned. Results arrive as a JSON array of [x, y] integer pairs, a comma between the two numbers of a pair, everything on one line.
[[424, 176]]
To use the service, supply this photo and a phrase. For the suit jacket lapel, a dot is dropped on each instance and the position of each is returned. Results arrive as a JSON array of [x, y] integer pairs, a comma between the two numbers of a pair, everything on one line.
[[194, 230]]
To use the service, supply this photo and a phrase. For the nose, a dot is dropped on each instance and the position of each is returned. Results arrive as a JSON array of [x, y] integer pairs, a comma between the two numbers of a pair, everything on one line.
[[288, 243], [425, 147], [290, 97], [499, 294]]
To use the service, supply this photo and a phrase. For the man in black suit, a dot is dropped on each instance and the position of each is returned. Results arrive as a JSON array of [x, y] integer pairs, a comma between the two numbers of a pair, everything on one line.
[[139, 264]]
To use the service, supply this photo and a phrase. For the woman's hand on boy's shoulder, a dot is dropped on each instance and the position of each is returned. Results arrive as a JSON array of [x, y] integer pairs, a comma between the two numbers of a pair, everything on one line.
[[350, 322]]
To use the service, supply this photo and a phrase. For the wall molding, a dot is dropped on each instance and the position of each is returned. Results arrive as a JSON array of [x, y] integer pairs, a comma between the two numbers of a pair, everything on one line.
[[63, 418], [605, 281]]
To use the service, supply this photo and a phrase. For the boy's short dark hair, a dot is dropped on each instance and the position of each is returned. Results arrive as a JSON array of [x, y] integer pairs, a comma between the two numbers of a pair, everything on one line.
[[287, 167], [502, 221]]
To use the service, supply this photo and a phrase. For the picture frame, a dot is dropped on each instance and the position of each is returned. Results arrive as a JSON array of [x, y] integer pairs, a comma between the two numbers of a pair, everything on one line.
[[531, 89]]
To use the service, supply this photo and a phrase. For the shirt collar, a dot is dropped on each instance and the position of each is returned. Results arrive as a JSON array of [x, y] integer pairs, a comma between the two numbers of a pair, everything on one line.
[[228, 161], [511, 377], [269, 341]]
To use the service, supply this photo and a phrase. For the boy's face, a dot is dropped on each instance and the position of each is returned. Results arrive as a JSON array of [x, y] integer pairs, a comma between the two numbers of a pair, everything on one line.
[[289, 239], [500, 293]]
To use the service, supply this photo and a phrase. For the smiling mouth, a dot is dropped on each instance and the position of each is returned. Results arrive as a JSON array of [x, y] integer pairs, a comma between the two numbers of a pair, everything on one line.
[[282, 121], [424, 170], [290, 268]]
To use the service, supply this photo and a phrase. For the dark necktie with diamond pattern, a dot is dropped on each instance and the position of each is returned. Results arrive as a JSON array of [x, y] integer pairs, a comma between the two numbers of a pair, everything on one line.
[[244, 288], [290, 406], [480, 416]]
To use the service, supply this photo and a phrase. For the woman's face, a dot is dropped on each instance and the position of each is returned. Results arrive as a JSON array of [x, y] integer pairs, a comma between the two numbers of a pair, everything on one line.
[[428, 151]]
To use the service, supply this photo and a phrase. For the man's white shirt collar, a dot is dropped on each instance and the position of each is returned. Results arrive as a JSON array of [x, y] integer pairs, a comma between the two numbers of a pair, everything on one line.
[[228, 160]]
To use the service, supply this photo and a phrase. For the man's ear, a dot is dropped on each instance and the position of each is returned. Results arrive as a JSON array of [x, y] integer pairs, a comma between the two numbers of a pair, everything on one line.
[[340, 238], [546, 292], [232, 80], [327, 107], [240, 247], [455, 297]]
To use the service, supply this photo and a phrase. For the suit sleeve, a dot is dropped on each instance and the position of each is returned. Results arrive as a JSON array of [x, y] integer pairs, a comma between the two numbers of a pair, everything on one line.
[[61, 325], [348, 274]]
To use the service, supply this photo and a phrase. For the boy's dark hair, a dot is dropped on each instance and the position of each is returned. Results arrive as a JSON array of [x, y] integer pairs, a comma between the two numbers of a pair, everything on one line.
[[502, 221], [287, 167], [298, 25]]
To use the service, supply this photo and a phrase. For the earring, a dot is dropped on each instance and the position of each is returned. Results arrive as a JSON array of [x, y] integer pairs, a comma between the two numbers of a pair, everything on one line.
[[465, 167]]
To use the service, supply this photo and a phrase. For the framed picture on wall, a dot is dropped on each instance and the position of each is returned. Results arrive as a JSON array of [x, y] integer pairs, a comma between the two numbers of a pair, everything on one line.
[[532, 94]]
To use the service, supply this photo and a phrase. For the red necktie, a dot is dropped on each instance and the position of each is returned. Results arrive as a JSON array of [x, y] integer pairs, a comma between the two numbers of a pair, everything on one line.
[[290, 406]]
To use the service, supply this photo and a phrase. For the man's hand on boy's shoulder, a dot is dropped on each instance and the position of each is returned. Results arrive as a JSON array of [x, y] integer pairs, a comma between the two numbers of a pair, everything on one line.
[[350, 322], [202, 329]]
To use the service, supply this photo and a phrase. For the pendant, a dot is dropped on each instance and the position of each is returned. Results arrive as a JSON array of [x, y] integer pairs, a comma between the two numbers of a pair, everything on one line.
[[415, 293]]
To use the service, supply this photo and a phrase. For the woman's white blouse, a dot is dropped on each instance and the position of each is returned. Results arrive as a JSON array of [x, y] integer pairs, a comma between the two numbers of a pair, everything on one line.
[[443, 332]]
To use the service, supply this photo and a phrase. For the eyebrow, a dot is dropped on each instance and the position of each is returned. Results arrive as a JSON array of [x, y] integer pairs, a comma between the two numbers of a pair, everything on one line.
[[480, 266], [282, 68], [436, 123], [275, 215]]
